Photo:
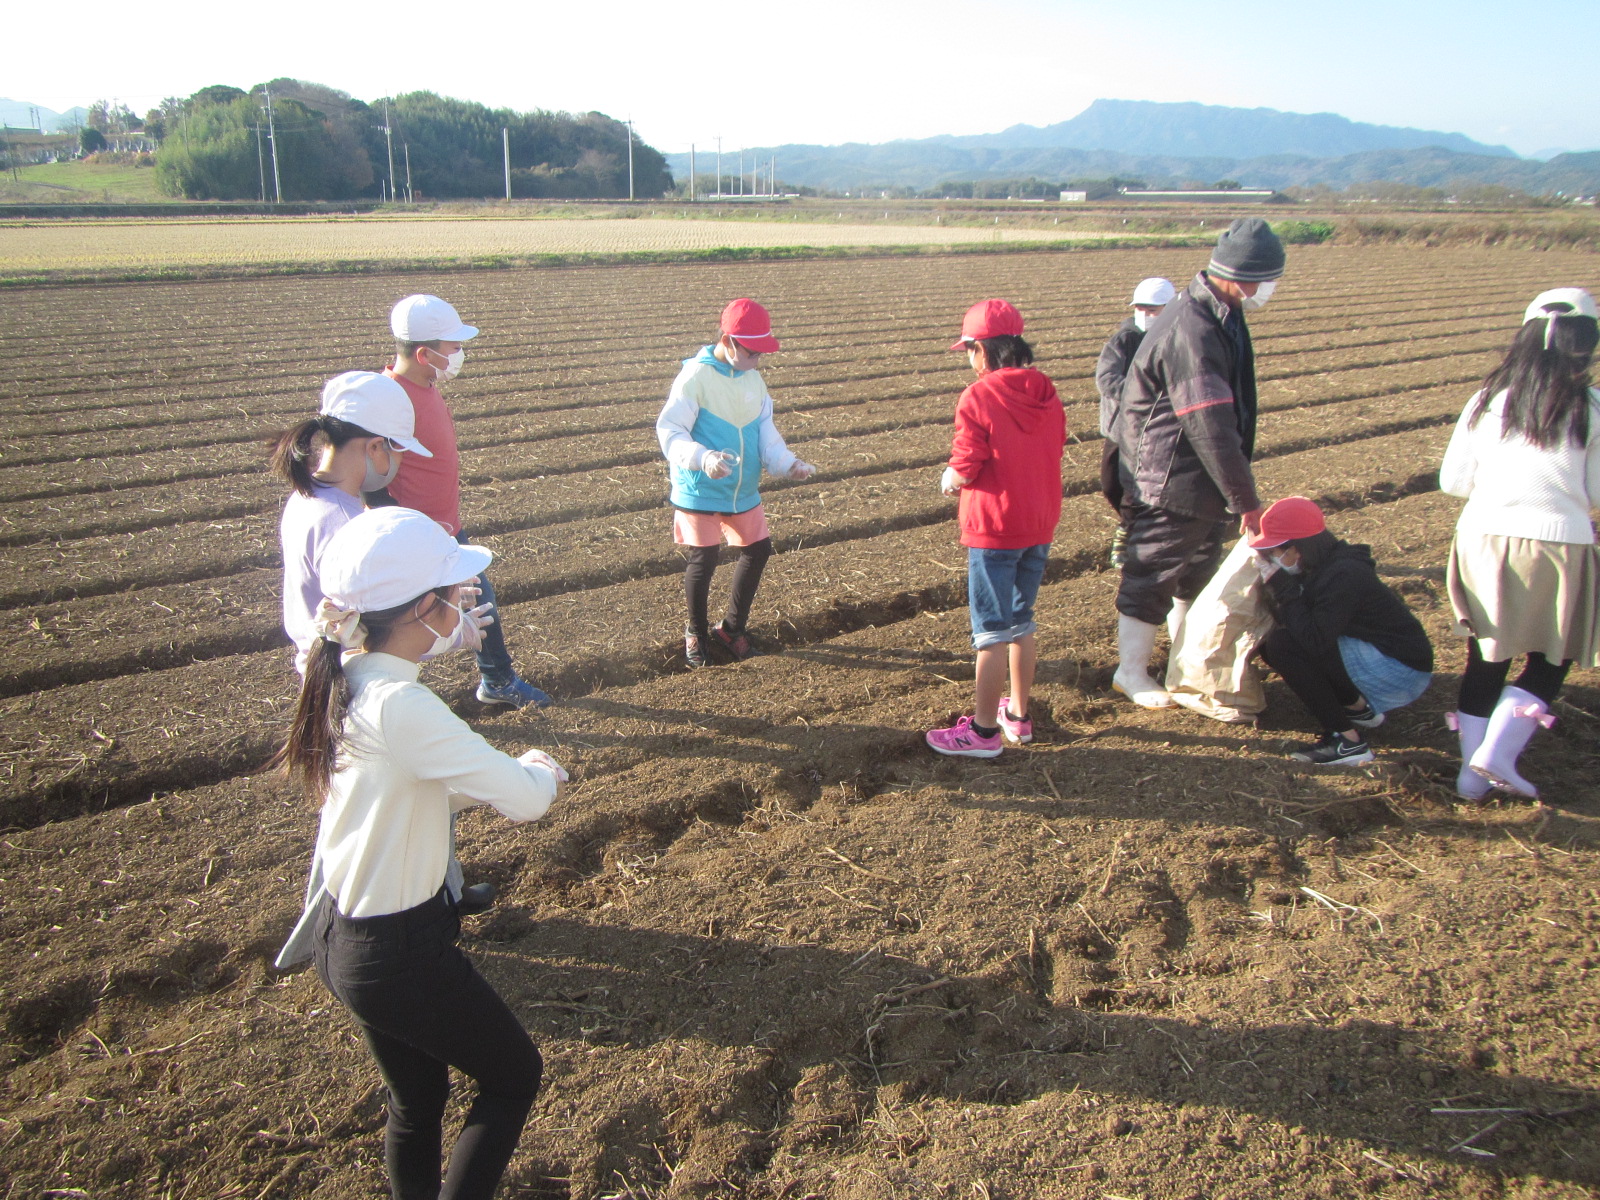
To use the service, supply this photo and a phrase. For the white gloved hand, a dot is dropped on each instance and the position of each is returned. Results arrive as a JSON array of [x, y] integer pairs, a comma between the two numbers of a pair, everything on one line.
[[801, 470], [718, 464], [1266, 567], [538, 758], [950, 483], [474, 621]]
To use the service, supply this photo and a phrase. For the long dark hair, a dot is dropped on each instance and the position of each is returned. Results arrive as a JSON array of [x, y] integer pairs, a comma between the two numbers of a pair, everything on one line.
[[310, 753], [1007, 350], [291, 454], [1547, 387]]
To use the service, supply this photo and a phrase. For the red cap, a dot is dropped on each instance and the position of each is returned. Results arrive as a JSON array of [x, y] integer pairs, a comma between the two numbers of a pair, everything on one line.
[[1287, 519], [987, 319], [751, 324]]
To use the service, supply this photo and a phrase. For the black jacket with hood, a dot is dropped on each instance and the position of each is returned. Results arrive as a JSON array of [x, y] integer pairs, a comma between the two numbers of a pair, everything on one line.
[[1186, 428], [1338, 594]]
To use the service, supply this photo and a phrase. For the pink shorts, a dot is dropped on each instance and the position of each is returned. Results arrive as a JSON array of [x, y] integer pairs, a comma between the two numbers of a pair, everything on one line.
[[711, 529]]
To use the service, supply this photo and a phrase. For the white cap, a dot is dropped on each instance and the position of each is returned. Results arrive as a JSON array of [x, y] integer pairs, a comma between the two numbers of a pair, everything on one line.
[[1577, 300], [376, 403], [384, 557], [1153, 292], [428, 319]]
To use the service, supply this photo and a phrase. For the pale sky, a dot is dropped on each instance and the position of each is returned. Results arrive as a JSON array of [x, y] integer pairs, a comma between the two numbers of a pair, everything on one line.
[[830, 71]]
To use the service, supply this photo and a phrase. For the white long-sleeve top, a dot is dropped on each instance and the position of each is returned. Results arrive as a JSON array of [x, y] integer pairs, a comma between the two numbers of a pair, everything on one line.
[[408, 762], [1514, 488]]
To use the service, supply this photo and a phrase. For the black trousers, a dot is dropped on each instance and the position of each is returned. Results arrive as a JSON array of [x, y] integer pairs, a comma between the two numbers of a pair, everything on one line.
[[1482, 680], [1169, 556], [1111, 477], [423, 1008], [697, 573], [1321, 682]]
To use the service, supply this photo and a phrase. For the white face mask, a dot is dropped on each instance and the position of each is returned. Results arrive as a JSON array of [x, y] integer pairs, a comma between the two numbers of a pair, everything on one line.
[[451, 368], [1141, 321], [1263, 294], [1285, 567], [443, 643], [375, 480]]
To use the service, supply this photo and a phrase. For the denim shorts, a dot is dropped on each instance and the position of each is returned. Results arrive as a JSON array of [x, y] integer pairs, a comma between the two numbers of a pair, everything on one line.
[[1001, 587], [1386, 683]]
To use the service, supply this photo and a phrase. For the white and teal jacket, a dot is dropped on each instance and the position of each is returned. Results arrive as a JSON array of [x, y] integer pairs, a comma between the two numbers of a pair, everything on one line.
[[713, 407]]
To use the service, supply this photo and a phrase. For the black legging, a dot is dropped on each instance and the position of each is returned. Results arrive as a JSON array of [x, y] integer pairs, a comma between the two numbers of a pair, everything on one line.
[[1482, 681], [747, 571], [1322, 684]]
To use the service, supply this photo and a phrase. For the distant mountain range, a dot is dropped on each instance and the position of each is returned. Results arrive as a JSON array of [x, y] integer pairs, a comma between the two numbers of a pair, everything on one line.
[[18, 114], [1173, 144]]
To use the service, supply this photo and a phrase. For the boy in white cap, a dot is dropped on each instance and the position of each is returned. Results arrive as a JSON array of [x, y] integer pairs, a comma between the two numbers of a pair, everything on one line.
[[429, 350], [1149, 298]]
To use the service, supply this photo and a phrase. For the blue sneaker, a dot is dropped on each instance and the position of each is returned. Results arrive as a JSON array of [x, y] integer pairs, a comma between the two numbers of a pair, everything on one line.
[[518, 694]]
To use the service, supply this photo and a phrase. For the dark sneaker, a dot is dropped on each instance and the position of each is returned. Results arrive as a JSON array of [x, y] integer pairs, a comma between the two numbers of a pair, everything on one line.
[[519, 693], [478, 898], [1334, 751], [1367, 718], [1119, 548], [736, 644], [694, 648]]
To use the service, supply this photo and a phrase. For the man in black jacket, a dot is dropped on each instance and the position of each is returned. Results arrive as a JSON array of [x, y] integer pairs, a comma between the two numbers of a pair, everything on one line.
[[1185, 433], [1346, 644]]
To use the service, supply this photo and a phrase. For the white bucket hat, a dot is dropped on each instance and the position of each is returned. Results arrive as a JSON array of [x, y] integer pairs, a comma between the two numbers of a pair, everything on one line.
[[376, 403], [429, 319], [386, 556]]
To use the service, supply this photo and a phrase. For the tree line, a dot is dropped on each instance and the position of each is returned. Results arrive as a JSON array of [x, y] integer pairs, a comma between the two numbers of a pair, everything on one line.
[[218, 145]]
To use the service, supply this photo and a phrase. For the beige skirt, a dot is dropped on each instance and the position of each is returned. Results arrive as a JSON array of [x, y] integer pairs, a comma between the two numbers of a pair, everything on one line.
[[1522, 596]]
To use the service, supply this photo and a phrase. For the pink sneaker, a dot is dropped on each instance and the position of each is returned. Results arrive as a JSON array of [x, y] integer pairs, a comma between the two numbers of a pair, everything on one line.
[[960, 740], [1020, 730]]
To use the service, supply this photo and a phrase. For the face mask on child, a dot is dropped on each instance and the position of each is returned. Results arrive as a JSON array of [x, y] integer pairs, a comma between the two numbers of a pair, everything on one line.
[[1141, 321], [443, 643], [451, 368], [1286, 568], [375, 480]]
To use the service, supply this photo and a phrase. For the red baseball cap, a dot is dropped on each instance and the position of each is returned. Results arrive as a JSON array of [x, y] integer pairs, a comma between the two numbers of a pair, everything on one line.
[[987, 319], [751, 324], [1287, 519]]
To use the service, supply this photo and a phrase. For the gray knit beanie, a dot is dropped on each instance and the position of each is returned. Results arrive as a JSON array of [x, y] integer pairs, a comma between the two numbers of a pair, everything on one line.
[[1249, 252]]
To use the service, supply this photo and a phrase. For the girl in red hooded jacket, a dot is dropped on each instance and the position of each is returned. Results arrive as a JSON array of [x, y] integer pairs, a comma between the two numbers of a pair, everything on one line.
[[1005, 461]]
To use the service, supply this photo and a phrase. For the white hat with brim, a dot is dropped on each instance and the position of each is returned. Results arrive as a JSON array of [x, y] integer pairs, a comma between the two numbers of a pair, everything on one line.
[[386, 557], [429, 319], [377, 404], [1577, 300], [1155, 292]]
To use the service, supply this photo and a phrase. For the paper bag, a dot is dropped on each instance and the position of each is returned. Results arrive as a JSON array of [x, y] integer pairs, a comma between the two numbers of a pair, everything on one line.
[[1211, 669]]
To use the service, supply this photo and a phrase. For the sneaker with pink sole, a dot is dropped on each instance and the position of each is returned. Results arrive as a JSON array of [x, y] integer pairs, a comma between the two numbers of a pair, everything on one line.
[[962, 741], [1014, 729]]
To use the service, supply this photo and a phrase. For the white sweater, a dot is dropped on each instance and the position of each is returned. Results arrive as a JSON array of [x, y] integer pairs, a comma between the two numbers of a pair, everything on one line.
[[406, 764], [1516, 489]]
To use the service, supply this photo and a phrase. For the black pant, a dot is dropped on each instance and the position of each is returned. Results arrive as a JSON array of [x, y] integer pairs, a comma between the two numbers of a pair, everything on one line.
[[747, 571], [1320, 681], [1111, 478], [423, 1008], [1169, 556], [1482, 680]]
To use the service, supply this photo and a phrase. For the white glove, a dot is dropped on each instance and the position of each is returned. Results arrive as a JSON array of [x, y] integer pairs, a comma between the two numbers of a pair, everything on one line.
[[801, 470], [473, 622], [1266, 567], [718, 464], [950, 483], [538, 758]]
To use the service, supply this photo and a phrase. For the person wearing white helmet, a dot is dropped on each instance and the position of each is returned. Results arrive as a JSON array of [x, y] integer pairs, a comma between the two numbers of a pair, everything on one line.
[[1524, 572], [430, 348], [389, 763], [1149, 298]]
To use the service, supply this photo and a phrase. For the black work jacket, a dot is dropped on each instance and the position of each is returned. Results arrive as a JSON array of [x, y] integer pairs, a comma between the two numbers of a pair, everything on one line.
[[1186, 427], [1112, 369]]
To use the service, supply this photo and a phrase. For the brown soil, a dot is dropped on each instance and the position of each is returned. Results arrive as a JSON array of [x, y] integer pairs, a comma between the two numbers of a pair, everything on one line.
[[770, 945]]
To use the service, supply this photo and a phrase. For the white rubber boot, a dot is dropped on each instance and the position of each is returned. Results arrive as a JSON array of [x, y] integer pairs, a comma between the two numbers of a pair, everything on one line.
[[1470, 729], [1515, 718], [1136, 641], [1179, 610]]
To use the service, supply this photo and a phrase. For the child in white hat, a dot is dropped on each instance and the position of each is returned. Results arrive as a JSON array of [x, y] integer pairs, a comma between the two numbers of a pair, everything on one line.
[[390, 763], [1149, 298]]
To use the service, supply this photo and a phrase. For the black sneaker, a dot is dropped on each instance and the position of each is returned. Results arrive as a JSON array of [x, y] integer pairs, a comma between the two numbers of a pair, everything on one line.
[[1334, 751], [736, 644], [694, 648], [1367, 718]]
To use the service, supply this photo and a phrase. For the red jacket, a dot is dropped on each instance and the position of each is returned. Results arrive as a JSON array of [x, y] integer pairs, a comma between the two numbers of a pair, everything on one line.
[[1010, 430]]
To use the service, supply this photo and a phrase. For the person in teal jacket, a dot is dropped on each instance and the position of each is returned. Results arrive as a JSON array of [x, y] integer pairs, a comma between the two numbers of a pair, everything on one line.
[[717, 432]]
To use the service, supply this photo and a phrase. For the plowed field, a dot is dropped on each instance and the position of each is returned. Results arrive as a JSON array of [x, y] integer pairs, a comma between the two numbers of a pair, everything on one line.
[[770, 945]]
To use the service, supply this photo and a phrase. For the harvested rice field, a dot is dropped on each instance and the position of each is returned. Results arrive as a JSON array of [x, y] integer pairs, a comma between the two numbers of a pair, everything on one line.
[[768, 943]]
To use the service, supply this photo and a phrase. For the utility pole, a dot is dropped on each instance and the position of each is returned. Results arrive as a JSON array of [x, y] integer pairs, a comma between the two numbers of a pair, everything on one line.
[[740, 190], [261, 164], [410, 199], [272, 136], [388, 137], [505, 144], [719, 167], [630, 158], [691, 172]]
